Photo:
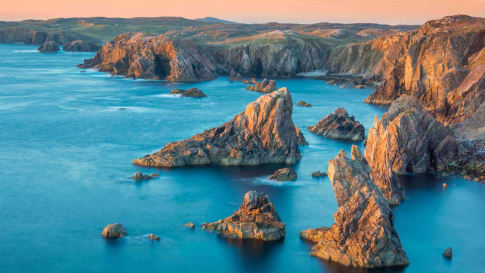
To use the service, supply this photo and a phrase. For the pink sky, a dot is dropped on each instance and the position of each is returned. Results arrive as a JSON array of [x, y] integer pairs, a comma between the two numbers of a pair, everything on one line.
[[249, 11]]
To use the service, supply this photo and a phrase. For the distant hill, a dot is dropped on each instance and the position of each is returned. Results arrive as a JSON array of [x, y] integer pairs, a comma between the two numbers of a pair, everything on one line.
[[214, 20]]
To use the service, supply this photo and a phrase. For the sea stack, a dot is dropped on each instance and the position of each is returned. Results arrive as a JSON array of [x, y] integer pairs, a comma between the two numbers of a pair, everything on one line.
[[263, 133], [363, 234], [339, 125], [48, 46], [255, 219]]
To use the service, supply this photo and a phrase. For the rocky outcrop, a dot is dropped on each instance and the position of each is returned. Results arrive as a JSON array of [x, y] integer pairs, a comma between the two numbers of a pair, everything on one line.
[[410, 139], [284, 174], [114, 231], [140, 176], [235, 76], [49, 46], [363, 234], [318, 174], [156, 57], [383, 176], [191, 92], [264, 86], [448, 253], [263, 133], [303, 103], [339, 125], [81, 46], [153, 237], [255, 219]]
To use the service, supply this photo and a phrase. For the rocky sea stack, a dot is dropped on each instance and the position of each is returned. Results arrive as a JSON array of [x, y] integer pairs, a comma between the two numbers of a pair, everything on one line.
[[255, 219], [153, 57], [263, 133], [363, 234], [284, 174], [339, 125], [49, 46]]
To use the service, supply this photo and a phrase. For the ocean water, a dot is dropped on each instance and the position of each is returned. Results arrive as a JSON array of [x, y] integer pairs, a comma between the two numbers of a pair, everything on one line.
[[67, 139]]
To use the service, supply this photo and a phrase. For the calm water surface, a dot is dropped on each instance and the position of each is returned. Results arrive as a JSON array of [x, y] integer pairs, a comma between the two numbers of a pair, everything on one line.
[[67, 140]]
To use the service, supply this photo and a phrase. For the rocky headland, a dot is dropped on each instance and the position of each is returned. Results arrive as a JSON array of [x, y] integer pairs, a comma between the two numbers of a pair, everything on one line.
[[339, 125], [255, 219], [263, 133], [363, 234]]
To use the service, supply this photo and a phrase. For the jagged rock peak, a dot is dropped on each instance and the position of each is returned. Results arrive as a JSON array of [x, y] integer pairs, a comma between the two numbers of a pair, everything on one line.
[[255, 219], [339, 125], [140, 55], [363, 234], [263, 133]]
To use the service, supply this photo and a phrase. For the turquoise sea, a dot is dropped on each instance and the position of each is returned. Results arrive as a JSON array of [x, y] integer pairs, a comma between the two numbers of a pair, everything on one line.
[[67, 139]]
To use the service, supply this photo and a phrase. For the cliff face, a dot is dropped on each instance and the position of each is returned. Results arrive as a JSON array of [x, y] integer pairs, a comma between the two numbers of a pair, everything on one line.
[[263, 133], [363, 234], [22, 35], [157, 57]]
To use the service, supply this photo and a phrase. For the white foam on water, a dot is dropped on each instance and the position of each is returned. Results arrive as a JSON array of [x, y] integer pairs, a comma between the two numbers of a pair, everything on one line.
[[26, 51], [172, 96]]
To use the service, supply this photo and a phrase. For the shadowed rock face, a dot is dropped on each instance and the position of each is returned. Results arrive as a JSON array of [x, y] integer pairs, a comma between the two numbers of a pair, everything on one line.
[[263, 133], [410, 139], [158, 57], [49, 46], [255, 219], [339, 125], [80, 45], [363, 234]]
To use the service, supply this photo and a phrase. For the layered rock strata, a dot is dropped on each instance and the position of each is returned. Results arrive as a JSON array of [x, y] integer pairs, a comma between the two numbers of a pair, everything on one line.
[[255, 219], [263, 133]]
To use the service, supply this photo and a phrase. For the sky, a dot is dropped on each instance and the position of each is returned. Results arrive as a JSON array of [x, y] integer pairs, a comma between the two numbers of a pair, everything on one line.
[[249, 11]]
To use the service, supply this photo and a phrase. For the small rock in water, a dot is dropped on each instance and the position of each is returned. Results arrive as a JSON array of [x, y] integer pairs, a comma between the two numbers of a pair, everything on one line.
[[190, 225], [139, 176], [192, 92], [154, 175], [264, 86], [319, 174], [447, 253], [114, 231], [153, 237], [339, 125], [285, 174], [303, 103], [445, 185]]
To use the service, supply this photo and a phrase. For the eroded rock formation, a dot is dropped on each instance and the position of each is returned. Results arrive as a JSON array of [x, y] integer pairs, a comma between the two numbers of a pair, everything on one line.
[[264, 86], [339, 125], [263, 133], [49, 46], [255, 219], [363, 234], [157, 57], [284, 174], [410, 139]]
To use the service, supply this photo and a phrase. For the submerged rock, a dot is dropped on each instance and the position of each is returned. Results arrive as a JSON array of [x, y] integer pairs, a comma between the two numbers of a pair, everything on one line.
[[114, 231], [285, 174], [81, 46], [192, 92], [302, 103], [189, 225], [339, 125], [410, 139], [363, 234], [255, 219], [448, 253], [49, 46], [264, 86], [263, 133]]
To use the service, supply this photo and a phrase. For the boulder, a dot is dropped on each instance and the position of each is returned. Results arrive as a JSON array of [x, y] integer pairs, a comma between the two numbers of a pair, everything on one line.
[[410, 139], [363, 234], [318, 174], [263, 133], [264, 86], [81, 46], [255, 219], [448, 253], [192, 92], [140, 176], [284, 174], [339, 125], [114, 231], [48, 46], [302, 103]]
